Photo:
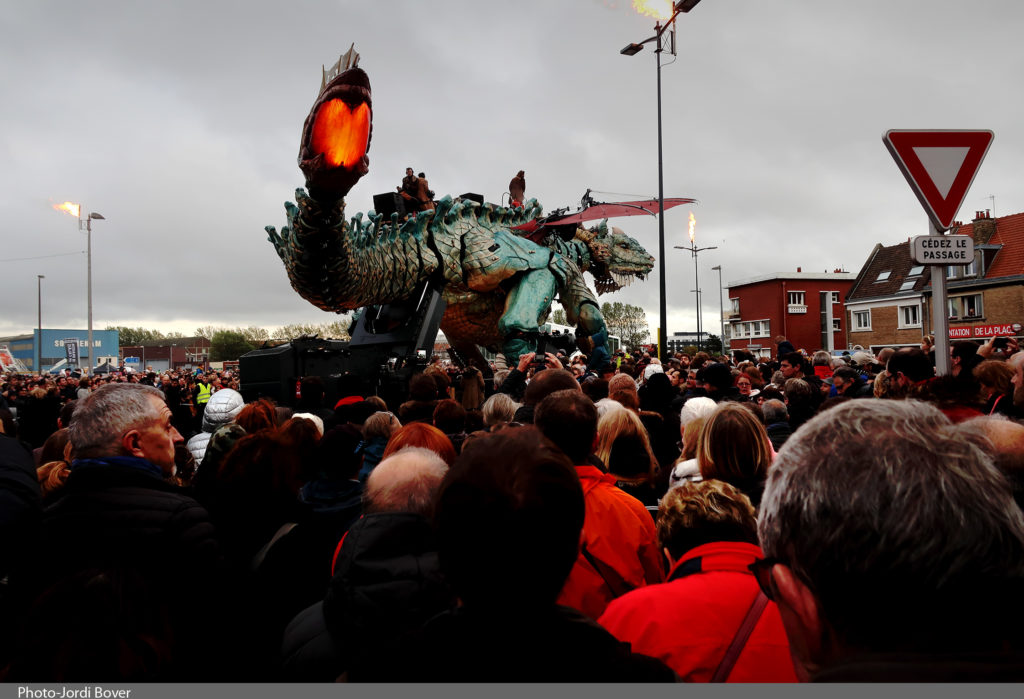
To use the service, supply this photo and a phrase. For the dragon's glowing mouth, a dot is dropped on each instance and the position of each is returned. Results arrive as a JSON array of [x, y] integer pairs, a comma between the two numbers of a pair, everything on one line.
[[341, 133]]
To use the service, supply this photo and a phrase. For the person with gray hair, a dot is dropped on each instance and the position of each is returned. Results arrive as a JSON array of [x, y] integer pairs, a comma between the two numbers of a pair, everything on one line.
[[118, 515], [776, 422], [125, 420], [497, 409], [894, 549], [387, 577]]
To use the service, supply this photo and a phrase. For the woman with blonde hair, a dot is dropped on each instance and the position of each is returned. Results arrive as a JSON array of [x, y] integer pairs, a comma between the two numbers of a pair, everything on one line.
[[708, 621], [625, 449], [734, 448]]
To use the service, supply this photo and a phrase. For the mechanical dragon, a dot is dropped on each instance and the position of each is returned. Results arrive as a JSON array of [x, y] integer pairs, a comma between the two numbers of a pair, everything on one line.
[[498, 269]]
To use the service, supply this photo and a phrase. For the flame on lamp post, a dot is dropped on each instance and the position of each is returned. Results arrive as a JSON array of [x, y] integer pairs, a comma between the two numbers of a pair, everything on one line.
[[69, 207], [658, 9], [693, 225]]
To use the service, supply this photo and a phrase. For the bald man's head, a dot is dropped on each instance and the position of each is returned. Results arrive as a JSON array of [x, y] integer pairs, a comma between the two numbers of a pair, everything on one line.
[[621, 382], [406, 481]]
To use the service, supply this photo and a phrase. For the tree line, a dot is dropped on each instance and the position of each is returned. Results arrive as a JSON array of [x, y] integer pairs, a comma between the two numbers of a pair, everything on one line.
[[231, 343], [625, 320]]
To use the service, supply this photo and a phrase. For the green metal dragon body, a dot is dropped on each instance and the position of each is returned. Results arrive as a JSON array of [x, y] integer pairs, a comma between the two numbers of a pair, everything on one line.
[[498, 284]]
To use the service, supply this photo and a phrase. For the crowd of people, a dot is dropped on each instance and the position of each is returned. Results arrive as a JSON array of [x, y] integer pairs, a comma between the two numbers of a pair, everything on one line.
[[800, 517]]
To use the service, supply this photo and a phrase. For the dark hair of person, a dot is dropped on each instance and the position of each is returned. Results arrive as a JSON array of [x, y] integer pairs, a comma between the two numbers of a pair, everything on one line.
[[67, 412], [569, 419], [450, 416], [422, 387], [337, 456], [913, 362], [595, 388], [546, 382], [508, 521]]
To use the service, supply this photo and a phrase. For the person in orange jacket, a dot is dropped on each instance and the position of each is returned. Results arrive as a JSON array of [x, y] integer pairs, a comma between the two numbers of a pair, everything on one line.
[[619, 548]]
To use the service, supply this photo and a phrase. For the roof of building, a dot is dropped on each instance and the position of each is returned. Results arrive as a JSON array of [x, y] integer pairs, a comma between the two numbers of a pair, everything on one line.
[[898, 262], [176, 341], [795, 276], [1009, 261], [887, 272]]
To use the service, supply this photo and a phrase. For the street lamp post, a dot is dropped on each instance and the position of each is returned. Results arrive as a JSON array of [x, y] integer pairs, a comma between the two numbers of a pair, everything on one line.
[[696, 280], [76, 211], [88, 246], [721, 308], [39, 341], [632, 50]]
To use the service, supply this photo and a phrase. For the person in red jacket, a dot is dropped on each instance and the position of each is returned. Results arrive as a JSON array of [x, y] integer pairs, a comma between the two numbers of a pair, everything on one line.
[[709, 622], [619, 549]]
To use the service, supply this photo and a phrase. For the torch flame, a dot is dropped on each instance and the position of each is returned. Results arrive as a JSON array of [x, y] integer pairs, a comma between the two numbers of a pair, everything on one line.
[[658, 9], [69, 207], [693, 224]]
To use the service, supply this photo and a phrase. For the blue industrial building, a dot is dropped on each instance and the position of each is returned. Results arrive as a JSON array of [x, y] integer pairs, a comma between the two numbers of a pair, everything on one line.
[[52, 350]]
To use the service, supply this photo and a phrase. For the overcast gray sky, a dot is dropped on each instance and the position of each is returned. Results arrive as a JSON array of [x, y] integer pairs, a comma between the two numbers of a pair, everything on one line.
[[180, 122]]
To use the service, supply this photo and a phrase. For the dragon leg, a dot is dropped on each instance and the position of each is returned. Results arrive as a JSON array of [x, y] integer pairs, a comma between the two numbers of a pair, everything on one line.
[[582, 311], [529, 300]]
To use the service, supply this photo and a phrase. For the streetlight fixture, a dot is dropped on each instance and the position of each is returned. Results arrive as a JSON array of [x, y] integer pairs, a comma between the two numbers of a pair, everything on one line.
[[721, 307], [88, 246], [76, 211], [632, 50], [39, 342], [696, 280]]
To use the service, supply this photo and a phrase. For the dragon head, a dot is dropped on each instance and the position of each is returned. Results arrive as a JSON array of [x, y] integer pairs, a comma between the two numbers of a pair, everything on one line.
[[336, 134], [615, 258]]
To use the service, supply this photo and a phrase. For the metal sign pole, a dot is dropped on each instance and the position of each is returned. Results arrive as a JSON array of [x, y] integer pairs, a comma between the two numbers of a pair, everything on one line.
[[940, 313]]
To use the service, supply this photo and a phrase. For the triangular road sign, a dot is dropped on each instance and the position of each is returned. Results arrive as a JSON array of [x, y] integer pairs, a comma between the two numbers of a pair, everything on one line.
[[940, 166]]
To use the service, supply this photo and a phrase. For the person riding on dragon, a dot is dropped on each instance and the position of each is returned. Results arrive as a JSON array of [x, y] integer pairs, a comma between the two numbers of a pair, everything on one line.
[[498, 283]]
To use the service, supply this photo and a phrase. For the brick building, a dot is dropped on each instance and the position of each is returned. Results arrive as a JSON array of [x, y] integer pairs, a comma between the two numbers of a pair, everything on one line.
[[805, 307], [890, 303]]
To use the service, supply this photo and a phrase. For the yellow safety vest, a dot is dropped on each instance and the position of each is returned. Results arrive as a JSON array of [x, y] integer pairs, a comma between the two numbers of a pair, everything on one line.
[[205, 391]]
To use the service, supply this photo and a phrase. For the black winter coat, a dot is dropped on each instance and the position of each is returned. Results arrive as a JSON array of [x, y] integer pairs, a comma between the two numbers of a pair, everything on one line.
[[114, 525], [387, 581]]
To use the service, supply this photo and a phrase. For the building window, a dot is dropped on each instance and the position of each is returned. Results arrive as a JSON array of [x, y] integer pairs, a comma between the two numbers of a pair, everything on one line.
[[908, 285], [837, 325], [797, 302], [883, 276], [963, 307], [950, 272], [970, 270], [910, 316], [916, 271], [765, 328], [862, 320], [734, 306], [835, 297]]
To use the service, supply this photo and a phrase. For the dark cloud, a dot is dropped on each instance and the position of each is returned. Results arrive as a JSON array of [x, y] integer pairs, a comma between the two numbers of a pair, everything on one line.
[[180, 122]]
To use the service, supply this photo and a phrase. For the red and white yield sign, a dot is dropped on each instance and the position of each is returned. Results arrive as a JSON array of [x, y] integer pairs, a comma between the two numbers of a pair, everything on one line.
[[940, 166]]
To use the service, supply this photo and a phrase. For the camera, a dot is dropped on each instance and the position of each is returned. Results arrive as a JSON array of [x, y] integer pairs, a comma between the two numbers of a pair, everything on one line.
[[1000, 343]]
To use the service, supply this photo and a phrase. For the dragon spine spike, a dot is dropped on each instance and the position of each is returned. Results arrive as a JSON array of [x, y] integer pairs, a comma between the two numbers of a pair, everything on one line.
[[349, 59]]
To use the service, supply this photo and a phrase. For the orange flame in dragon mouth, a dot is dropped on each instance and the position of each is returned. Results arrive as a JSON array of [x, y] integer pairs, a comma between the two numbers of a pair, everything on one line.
[[658, 9], [341, 133], [69, 208]]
